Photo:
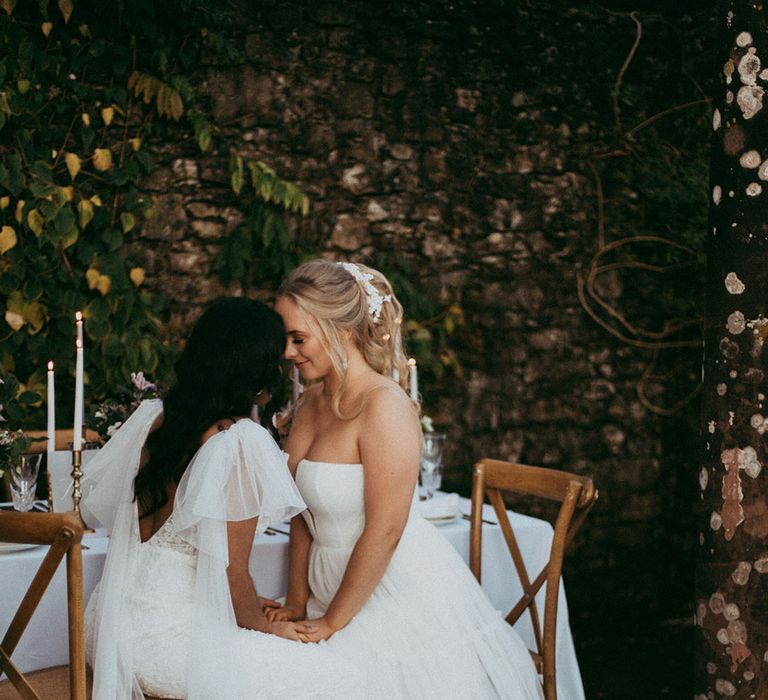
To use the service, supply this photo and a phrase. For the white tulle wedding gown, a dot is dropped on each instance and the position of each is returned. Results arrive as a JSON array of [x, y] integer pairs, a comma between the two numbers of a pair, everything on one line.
[[427, 632], [161, 620]]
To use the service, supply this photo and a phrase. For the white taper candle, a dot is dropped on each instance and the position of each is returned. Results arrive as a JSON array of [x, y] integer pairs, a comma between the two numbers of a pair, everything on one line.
[[51, 423], [77, 438]]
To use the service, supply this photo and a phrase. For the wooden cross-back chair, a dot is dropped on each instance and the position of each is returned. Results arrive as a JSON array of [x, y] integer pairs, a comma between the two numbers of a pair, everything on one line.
[[576, 495], [63, 532]]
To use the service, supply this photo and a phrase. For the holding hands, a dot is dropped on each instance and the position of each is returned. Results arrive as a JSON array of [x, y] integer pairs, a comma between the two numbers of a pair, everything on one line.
[[289, 611], [308, 630], [295, 631], [268, 604], [320, 630]]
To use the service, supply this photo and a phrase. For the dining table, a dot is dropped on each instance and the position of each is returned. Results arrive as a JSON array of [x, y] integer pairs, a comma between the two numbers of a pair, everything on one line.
[[44, 643]]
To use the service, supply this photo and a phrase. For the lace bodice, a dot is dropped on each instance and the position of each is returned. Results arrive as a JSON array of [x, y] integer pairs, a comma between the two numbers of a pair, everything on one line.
[[167, 537], [158, 610]]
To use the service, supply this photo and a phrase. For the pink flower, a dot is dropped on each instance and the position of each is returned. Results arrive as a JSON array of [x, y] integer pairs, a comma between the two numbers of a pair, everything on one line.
[[140, 382]]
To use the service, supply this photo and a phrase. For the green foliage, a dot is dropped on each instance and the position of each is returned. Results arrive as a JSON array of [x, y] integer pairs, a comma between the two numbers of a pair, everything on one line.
[[260, 251], [14, 398], [85, 90], [14, 401]]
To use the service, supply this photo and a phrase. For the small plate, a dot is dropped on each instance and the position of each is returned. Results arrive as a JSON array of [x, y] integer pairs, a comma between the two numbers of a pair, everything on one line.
[[440, 520], [7, 547]]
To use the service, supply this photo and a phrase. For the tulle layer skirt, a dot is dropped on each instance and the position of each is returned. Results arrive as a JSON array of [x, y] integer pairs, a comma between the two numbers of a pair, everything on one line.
[[159, 624], [428, 632]]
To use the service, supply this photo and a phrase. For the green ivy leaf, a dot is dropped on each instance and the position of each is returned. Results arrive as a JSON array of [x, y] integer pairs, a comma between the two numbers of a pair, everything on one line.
[[236, 173], [33, 288], [97, 328], [64, 221], [28, 397], [35, 221], [98, 309], [127, 221], [14, 412], [113, 238], [145, 160], [8, 283], [112, 347]]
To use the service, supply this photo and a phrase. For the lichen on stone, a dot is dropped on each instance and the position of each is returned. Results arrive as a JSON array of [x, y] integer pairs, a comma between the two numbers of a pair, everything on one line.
[[749, 67], [741, 573], [750, 159], [733, 284], [750, 100]]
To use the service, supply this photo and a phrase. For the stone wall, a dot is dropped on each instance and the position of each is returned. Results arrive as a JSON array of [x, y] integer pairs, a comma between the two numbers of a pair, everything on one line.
[[457, 134]]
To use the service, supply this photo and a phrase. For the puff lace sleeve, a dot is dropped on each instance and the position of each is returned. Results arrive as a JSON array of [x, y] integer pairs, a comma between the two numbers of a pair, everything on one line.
[[237, 474]]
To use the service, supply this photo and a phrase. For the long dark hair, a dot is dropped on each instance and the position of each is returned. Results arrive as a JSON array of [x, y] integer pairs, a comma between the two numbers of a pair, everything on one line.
[[232, 354]]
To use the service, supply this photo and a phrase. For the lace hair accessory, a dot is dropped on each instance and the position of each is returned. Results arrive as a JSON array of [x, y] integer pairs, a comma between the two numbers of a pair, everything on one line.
[[375, 299]]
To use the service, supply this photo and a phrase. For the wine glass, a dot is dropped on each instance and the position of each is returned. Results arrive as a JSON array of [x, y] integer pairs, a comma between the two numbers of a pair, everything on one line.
[[23, 480], [431, 464]]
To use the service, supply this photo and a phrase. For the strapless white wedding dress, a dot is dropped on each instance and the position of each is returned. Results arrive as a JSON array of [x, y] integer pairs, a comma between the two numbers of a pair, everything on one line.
[[427, 632]]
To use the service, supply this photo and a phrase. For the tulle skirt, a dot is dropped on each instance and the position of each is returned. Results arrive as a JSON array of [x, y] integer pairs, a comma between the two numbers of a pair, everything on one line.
[[428, 632], [157, 629]]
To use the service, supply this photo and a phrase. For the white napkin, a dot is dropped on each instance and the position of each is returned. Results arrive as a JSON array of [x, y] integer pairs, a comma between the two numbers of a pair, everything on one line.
[[440, 507]]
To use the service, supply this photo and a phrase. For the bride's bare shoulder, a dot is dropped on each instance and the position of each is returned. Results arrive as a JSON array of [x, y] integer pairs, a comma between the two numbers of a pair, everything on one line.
[[388, 397]]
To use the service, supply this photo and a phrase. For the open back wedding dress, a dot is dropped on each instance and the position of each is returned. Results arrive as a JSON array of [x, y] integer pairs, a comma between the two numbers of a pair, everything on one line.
[[161, 620], [427, 632]]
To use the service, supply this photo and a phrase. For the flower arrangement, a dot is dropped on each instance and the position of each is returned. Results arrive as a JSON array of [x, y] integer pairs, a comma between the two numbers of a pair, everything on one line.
[[112, 413], [13, 443], [13, 398]]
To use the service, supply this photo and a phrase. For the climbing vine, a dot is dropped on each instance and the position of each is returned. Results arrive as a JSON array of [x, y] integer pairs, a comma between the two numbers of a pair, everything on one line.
[[649, 174], [88, 93]]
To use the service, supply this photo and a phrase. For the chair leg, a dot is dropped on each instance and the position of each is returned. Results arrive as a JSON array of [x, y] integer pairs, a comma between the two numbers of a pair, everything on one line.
[[18, 681], [77, 683]]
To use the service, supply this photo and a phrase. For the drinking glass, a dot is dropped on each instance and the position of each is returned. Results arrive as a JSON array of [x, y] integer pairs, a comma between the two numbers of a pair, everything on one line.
[[23, 481], [431, 470]]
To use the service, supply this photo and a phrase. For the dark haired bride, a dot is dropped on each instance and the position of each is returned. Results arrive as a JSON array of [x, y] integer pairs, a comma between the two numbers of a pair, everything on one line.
[[183, 487]]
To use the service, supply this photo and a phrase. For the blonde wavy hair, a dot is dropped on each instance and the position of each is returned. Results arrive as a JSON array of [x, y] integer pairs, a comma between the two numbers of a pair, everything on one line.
[[332, 300]]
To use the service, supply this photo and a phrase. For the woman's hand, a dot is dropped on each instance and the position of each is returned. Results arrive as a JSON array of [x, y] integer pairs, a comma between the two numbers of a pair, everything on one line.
[[322, 630], [295, 631], [268, 604], [287, 612]]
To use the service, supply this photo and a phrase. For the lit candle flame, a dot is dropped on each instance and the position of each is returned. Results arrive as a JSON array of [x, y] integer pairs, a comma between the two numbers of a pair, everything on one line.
[[79, 316], [50, 365]]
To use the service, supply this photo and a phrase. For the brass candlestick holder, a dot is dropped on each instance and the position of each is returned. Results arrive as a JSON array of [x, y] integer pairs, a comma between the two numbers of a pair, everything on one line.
[[49, 482], [76, 475]]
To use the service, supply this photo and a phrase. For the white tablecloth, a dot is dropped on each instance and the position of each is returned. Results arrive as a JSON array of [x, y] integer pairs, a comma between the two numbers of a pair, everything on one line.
[[44, 642]]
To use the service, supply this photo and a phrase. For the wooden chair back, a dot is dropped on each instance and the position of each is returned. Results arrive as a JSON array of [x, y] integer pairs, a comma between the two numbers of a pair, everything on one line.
[[63, 532], [576, 495]]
